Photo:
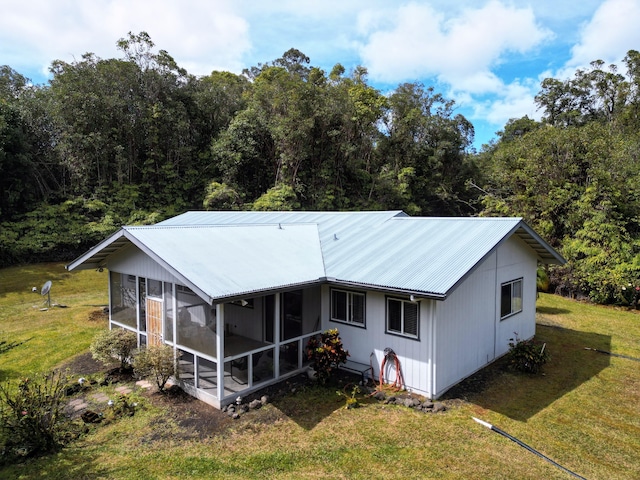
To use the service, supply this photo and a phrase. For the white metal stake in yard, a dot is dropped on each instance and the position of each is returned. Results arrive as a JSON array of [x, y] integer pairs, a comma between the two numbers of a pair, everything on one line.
[[527, 447]]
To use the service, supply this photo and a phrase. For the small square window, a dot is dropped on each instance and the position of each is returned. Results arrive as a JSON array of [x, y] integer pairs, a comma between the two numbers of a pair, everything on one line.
[[403, 317], [510, 298]]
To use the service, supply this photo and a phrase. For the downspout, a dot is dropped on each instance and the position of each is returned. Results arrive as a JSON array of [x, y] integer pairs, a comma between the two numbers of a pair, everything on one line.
[[138, 308]]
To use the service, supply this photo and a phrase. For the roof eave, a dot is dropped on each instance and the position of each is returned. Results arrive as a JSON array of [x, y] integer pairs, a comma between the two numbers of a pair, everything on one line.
[[386, 289], [83, 263], [549, 255], [267, 290]]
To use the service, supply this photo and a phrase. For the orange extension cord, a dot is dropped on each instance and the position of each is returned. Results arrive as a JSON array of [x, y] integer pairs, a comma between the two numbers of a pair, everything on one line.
[[389, 354]]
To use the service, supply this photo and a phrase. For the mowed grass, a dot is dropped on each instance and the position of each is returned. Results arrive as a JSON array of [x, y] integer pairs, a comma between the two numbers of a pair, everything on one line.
[[56, 334], [584, 413]]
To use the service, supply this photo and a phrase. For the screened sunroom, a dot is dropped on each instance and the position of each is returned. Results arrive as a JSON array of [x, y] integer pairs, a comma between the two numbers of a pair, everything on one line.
[[262, 338]]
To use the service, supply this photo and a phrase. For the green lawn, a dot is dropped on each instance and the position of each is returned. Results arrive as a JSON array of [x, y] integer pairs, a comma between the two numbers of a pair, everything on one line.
[[583, 412], [54, 335]]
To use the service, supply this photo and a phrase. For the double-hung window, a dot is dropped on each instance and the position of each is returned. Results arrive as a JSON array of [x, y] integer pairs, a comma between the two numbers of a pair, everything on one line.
[[348, 307], [511, 298], [402, 317]]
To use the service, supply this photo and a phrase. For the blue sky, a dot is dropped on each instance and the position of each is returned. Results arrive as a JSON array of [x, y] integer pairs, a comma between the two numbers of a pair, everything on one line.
[[488, 56]]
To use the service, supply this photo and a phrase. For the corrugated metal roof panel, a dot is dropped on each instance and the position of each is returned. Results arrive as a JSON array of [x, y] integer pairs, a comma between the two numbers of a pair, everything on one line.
[[428, 255], [224, 254], [234, 260], [330, 224]]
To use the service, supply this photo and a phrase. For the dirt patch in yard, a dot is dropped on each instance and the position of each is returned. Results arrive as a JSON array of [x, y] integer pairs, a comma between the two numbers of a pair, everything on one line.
[[193, 418], [186, 417], [84, 364]]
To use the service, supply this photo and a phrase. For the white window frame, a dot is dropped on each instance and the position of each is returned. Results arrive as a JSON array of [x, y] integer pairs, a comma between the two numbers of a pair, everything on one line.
[[515, 300], [349, 320], [402, 332]]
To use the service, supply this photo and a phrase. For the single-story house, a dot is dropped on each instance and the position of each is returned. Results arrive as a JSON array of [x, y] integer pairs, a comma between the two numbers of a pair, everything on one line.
[[239, 294]]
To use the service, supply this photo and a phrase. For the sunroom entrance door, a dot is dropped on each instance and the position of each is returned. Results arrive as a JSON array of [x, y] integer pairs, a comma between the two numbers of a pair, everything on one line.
[[154, 321]]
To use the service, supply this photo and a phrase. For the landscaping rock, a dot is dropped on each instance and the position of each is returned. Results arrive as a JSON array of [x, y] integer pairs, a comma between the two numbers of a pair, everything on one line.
[[255, 404], [379, 395], [264, 399], [91, 417], [439, 407]]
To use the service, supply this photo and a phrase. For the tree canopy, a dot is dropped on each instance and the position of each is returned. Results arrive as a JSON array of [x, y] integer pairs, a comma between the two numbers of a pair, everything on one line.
[[574, 177], [137, 138]]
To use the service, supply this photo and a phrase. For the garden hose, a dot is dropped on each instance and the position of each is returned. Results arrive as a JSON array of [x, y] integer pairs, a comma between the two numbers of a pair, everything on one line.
[[390, 355]]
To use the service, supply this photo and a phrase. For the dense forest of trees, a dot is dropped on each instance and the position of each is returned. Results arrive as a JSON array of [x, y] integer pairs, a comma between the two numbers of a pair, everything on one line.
[[136, 139]]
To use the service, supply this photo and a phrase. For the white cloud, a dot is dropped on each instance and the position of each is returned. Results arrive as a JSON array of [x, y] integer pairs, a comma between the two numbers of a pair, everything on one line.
[[201, 35], [422, 42], [516, 101], [612, 31]]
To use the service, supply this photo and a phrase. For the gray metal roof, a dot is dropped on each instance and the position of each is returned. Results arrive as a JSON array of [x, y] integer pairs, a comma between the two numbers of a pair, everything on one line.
[[428, 256], [226, 261], [227, 254], [329, 224]]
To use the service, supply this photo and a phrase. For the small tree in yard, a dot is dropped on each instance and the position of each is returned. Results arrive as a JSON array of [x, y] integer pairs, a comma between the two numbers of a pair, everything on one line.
[[116, 344], [157, 362]]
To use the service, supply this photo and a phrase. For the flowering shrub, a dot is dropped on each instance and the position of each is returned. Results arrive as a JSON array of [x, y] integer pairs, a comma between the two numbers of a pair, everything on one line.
[[631, 295], [527, 355], [32, 420], [326, 353]]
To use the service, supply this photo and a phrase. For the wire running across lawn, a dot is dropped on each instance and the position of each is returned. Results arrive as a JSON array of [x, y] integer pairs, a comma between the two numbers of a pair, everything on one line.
[[526, 447], [613, 354]]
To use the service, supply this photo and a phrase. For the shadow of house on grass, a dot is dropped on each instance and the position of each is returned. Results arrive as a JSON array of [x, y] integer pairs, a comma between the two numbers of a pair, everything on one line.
[[312, 403], [520, 396]]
